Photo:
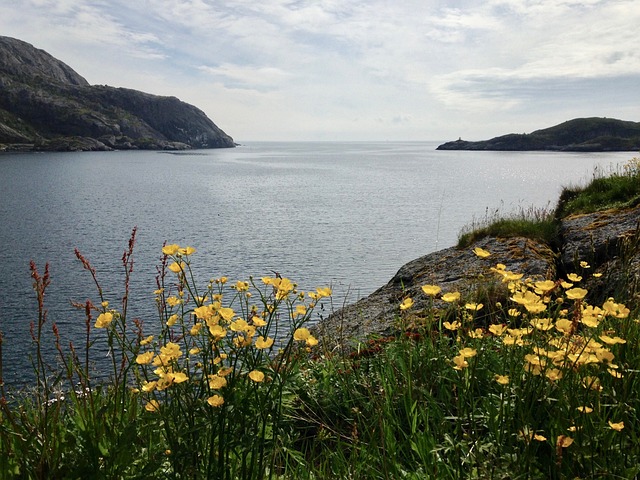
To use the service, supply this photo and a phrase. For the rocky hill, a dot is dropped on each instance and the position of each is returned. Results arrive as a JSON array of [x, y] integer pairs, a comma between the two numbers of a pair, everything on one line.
[[609, 240], [46, 105], [578, 135]]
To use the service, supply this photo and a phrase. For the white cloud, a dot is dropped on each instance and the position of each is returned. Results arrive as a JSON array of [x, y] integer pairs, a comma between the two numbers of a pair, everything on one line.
[[359, 69]]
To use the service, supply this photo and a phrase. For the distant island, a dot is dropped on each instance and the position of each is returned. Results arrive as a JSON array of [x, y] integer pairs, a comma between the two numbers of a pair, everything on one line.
[[579, 135], [46, 105]]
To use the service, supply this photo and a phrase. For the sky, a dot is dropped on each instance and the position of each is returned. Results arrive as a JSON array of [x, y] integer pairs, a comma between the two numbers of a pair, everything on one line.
[[361, 70]]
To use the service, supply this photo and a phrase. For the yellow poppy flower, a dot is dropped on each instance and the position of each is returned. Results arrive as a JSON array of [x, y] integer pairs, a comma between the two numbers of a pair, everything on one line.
[[616, 426], [431, 290], [171, 249], [563, 441], [497, 329], [502, 379], [460, 362], [572, 277], [261, 343], [152, 406], [406, 303], [451, 297], [576, 293], [481, 252], [104, 319], [216, 382], [468, 352], [474, 306], [256, 375], [144, 358], [215, 400]]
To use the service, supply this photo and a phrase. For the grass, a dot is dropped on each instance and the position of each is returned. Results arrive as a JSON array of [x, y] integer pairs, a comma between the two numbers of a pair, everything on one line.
[[229, 383], [619, 188]]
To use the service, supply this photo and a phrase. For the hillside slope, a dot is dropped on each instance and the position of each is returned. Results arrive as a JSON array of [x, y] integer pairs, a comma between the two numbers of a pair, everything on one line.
[[46, 105]]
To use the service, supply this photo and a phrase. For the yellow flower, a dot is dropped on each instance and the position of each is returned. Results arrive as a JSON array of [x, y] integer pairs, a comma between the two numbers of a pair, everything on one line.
[[460, 362], [406, 303], [468, 352], [538, 307], [146, 341], [195, 329], [187, 251], [216, 382], [194, 351], [584, 264], [584, 409], [217, 332], [542, 323], [149, 386], [616, 426], [513, 312], [564, 325], [178, 377], [261, 343], [300, 310], [540, 438], [104, 319], [226, 313], [614, 373], [481, 252], [215, 400], [173, 301], [612, 340], [170, 249], [553, 374], [301, 334], [431, 290], [572, 277], [241, 286], [152, 406], [105, 304], [171, 321], [502, 379], [144, 358], [576, 293], [258, 322], [477, 333], [451, 297], [497, 329], [597, 275], [452, 326], [176, 267], [256, 375], [474, 306], [324, 292], [544, 286], [563, 441], [239, 325]]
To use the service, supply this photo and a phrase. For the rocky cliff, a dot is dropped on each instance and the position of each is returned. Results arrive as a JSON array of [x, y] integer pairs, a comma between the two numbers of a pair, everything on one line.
[[46, 105], [578, 135], [608, 240]]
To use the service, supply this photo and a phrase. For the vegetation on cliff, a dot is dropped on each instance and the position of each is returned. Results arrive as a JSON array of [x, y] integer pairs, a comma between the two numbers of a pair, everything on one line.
[[45, 105], [578, 135]]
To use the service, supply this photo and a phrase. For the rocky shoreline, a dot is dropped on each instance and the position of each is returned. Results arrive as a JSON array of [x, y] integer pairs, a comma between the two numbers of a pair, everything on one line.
[[608, 240]]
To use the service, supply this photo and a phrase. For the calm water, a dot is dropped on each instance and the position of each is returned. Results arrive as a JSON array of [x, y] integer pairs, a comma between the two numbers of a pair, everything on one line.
[[345, 214]]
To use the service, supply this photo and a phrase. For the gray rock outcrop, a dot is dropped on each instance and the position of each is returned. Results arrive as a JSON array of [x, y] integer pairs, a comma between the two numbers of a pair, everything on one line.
[[609, 241]]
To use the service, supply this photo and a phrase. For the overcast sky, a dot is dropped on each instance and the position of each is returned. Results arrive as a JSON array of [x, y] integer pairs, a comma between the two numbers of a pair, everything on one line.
[[354, 69]]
